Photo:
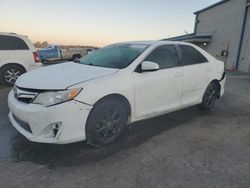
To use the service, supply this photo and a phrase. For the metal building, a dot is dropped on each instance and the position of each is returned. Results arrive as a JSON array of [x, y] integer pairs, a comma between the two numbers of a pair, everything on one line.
[[223, 29]]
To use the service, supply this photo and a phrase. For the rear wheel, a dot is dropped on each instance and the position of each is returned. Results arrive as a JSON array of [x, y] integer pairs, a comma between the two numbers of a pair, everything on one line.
[[210, 96], [106, 122], [10, 73]]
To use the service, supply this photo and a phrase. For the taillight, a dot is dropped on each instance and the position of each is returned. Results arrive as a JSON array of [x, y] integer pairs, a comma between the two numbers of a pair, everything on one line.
[[36, 57]]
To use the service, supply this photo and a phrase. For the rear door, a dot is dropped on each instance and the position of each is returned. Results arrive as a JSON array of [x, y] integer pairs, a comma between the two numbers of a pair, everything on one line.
[[196, 70], [159, 91]]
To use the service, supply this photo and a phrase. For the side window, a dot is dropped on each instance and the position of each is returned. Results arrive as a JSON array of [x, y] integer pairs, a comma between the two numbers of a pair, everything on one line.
[[190, 55], [12, 43], [164, 56]]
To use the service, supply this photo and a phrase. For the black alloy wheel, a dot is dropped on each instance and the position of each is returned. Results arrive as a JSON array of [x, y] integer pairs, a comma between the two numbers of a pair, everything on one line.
[[209, 97], [106, 122]]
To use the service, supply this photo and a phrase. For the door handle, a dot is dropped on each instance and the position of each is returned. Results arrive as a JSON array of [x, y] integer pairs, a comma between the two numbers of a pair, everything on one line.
[[208, 69], [178, 74]]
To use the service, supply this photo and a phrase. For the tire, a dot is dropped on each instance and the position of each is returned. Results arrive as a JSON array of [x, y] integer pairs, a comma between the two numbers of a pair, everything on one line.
[[106, 122], [76, 57], [10, 73], [210, 96]]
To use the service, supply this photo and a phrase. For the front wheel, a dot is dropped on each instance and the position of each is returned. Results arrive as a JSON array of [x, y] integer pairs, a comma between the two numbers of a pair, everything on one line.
[[10, 73], [210, 96], [106, 122]]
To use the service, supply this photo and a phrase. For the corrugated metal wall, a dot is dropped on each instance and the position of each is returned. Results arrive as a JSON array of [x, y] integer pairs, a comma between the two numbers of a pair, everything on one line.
[[244, 64], [224, 22]]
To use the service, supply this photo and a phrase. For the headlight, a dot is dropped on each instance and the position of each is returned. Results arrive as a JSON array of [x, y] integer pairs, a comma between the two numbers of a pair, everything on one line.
[[55, 97]]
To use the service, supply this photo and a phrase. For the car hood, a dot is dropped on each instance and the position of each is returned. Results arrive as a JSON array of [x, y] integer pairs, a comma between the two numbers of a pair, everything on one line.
[[61, 76]]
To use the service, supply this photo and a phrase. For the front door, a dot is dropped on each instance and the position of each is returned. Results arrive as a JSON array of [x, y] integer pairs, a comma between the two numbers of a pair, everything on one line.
[[159, 91]]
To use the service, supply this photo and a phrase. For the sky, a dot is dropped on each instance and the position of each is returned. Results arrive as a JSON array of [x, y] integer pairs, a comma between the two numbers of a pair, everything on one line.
[[98, 22]]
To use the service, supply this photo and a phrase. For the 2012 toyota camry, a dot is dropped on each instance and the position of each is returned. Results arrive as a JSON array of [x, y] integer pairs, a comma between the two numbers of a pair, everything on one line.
[[119, 84]]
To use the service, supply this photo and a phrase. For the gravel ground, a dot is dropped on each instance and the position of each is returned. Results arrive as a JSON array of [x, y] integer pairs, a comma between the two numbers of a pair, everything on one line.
[[188, 148]]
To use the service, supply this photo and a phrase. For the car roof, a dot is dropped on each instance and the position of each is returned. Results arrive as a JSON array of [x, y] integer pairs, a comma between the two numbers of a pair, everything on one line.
[[154, 42], [12, 34]]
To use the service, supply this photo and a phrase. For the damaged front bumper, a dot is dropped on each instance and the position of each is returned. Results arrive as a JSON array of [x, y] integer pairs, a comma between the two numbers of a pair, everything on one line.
[[59, 124]]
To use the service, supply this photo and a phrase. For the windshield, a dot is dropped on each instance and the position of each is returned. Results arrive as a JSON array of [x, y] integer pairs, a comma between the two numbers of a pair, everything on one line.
[[116, 56]]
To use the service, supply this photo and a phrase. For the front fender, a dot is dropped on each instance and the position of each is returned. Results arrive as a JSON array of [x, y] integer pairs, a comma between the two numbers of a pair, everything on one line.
[[119, 83]]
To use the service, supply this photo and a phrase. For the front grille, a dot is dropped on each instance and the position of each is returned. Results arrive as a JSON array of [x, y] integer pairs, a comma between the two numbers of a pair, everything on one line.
[[25, 100], [24, 95], [22, 124]]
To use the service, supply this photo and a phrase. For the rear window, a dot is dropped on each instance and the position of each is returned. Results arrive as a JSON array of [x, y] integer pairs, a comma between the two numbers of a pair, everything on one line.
[[12, 43]]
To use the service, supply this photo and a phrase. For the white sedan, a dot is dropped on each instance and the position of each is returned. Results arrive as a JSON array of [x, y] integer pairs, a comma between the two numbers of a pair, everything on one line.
[[119, 84]]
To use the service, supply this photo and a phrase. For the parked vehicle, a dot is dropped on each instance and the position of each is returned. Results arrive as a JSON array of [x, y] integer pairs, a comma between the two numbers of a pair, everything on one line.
[[17, 56], [119, 84], [54, 53]]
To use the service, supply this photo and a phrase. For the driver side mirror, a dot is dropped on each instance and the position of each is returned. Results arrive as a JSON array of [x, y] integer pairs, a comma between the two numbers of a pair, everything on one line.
[[149, 66]]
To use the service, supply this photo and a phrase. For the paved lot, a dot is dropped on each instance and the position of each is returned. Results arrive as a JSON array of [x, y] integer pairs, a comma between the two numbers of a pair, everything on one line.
[[187, 148]]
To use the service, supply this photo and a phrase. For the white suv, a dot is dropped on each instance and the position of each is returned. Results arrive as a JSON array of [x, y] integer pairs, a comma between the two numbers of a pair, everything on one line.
[[17, 55], [122, 83]]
